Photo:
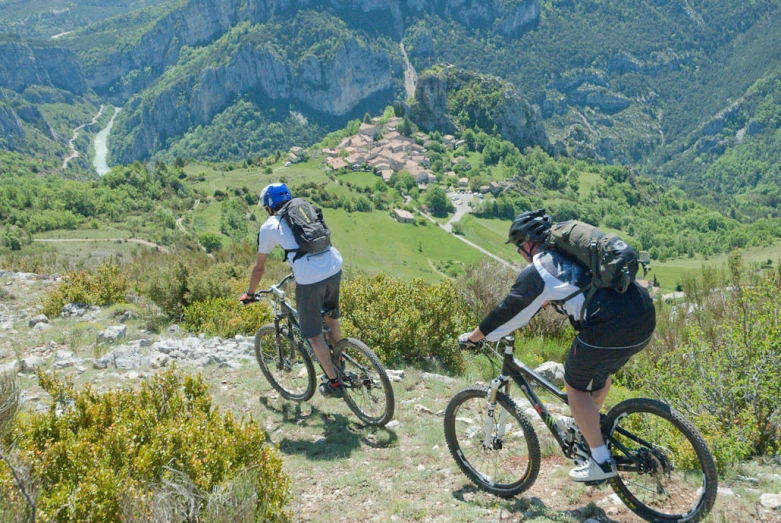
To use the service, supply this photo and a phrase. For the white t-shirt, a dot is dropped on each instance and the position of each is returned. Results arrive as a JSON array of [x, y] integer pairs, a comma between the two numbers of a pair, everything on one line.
[[310, 268]]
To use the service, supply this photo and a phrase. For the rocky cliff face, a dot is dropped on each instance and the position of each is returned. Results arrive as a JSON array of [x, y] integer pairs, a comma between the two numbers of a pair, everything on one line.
[[516, 120], [22, 66], [333, 86], [201, 21]]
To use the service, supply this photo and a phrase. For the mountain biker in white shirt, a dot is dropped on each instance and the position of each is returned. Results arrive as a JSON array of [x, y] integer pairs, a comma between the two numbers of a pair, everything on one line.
[[318, 277]]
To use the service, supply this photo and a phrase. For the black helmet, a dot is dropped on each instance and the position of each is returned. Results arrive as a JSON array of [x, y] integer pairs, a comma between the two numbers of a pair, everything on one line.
[[531, 225]]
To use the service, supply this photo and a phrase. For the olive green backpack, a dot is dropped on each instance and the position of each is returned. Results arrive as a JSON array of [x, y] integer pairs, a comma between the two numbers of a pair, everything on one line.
[[611, 262]]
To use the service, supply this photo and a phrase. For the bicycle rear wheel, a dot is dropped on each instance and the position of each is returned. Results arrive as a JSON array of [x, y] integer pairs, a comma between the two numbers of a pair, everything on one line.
[[501, 454], [285, 364], [665, 470], [369, 392]]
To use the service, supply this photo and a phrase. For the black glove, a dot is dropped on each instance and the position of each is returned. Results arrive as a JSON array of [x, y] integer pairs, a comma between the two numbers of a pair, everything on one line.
[[465, 343], [247, 298]]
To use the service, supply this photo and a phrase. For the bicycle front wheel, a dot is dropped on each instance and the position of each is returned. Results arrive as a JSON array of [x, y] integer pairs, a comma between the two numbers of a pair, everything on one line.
[[369, 392], [501, 453], [285, 364], [665, 470]]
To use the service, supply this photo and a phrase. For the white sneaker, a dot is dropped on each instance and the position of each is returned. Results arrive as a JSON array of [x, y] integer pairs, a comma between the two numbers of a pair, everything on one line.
[[593, 471]]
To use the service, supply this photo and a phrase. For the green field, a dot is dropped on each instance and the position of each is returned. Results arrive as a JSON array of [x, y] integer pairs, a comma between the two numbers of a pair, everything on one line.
[[375, 242], [490, 234], [254, 177], [360, 178], [672, 272]]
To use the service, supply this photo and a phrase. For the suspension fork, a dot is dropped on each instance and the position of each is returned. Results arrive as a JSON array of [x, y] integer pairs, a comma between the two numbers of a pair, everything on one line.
[[496, 384]]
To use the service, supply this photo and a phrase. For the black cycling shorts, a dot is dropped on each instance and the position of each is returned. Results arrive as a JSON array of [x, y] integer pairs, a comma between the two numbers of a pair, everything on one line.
[[312, 299], [587, 368]]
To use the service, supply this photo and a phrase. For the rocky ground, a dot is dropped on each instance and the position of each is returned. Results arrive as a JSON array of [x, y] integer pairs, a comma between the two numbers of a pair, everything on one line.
[[341, 470]]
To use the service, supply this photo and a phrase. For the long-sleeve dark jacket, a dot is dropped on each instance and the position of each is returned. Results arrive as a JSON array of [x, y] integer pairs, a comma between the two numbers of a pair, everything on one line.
[[612, 320]]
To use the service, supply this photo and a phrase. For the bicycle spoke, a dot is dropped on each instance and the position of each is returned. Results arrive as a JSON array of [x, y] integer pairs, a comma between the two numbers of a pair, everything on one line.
[[502, 463], [369, 391], [285, 365], [666, 471]]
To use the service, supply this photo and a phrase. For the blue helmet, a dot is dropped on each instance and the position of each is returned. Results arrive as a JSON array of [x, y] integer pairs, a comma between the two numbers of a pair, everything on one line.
[[275, 195]]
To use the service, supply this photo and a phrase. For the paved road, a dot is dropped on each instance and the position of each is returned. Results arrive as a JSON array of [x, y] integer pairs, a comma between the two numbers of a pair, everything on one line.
[[461, 210], [461, 203], [74, 153]]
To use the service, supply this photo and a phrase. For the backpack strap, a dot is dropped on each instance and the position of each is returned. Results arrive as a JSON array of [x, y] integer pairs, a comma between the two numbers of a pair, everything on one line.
[[282, 212]]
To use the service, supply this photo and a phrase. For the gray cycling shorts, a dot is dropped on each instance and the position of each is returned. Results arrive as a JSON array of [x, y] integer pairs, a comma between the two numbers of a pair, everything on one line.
[[312, 299]]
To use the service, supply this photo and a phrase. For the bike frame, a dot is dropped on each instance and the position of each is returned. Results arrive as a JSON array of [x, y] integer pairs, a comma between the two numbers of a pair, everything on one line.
[[521, 374], [284, 311], [514, 370]]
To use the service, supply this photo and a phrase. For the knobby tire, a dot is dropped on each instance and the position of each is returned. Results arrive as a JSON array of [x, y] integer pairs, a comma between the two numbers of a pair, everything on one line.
[[294, 376], [680, 481], [511, 465], [369, 393]]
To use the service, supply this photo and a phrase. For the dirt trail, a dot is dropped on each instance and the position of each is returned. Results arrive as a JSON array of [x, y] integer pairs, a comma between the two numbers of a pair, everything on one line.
[[474, 246], [131, 240]]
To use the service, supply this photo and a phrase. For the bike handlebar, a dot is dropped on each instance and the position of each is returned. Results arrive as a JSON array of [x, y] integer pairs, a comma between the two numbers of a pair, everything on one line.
[[275, 289]]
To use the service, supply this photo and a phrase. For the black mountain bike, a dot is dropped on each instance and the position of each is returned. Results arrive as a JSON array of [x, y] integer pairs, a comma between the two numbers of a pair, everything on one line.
[[286, 360], [665, 470]]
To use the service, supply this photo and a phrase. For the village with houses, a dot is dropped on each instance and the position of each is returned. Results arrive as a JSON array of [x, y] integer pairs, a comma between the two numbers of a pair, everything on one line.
[[382, 149]]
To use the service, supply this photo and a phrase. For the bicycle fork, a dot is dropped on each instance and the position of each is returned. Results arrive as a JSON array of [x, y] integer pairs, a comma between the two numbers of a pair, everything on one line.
[[491, 440]]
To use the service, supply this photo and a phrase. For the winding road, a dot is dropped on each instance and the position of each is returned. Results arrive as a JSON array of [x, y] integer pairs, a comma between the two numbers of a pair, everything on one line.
[[74, 153]]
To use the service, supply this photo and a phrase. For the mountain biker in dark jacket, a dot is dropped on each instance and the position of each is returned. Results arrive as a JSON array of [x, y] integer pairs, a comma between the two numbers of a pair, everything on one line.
[[615, 327]]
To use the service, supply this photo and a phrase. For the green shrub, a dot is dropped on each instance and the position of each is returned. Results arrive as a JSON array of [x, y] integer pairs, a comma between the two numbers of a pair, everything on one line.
[[173, 284], [225, 317], [210, 241], [717, 359], [104, 457], [108, 285], [407, 321]]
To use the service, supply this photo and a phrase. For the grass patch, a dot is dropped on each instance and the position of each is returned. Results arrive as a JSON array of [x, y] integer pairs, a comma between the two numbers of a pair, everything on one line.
[[360, 178], [490, 234], [375, 242]]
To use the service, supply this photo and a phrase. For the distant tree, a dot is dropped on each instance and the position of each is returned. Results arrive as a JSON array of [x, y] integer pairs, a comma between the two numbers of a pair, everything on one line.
[[362, 204], [406, 127], [210, 241], [398, 109], [367, 118], [438, 202]]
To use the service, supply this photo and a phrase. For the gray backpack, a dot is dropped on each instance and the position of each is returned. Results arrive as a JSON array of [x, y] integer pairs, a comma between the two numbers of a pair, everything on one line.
[[309, 229]]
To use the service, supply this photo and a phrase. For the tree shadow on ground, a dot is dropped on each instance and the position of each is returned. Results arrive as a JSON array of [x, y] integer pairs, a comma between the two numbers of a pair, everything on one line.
[[530, 508]]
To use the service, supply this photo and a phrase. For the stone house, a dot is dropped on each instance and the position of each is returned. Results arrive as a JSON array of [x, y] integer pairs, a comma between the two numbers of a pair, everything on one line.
[[367, 129], [402, 216]]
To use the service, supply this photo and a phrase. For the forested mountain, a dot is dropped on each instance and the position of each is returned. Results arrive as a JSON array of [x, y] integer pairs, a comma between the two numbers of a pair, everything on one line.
[[45, 19], [685, 89]]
